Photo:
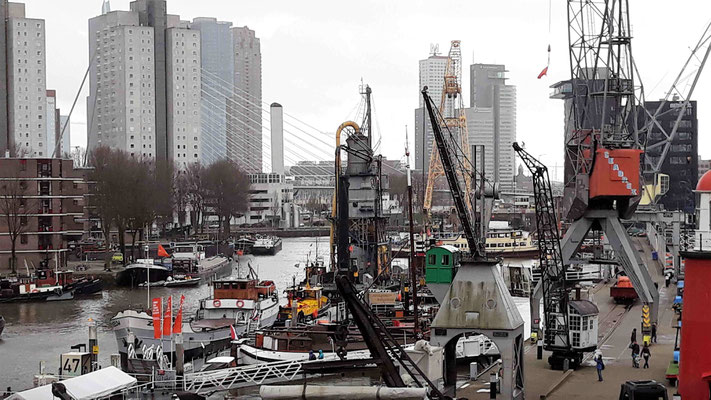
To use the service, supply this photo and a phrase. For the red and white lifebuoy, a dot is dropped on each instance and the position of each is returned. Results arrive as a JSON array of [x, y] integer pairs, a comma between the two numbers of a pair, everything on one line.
[[216, 303], [240, 303]]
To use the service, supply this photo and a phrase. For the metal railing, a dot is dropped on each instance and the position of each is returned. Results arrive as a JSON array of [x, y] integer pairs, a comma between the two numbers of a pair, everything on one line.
[[238, 377]]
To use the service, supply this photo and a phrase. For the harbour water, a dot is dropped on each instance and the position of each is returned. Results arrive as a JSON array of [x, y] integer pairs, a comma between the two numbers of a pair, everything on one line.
[[42, 331], [37, 332]]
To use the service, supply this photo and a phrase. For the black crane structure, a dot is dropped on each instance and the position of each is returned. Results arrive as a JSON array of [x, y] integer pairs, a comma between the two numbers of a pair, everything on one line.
[[550, 257], [450, 161]]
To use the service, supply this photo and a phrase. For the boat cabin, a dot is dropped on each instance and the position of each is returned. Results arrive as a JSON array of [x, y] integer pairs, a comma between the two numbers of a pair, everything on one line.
[[243, 289], [441, 264]]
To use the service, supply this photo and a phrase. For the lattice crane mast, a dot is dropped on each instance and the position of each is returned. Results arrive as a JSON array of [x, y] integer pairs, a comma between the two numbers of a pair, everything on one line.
[[454, 166], [452, 108], [553, 283]]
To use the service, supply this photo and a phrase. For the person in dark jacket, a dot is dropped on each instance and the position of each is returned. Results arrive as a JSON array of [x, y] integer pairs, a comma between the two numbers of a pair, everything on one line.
[[654, 332], [635, 354], [633, 337], [646, 354], [600, 365]]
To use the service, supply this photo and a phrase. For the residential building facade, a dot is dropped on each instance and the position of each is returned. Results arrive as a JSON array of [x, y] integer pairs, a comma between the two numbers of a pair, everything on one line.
[[43, 202], [121, 104], [26, 82], [271, 201], [244, 108], [183, 97]]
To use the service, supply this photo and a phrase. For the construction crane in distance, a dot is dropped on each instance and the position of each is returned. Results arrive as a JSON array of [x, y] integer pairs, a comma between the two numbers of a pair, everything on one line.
[[452, 109]]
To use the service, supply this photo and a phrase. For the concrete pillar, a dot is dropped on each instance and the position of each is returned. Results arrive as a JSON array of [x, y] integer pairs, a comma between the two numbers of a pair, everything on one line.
[[276, 117]]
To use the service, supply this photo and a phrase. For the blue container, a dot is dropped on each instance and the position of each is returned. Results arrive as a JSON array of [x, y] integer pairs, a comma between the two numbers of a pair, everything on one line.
[[655, 256], [676, 356]]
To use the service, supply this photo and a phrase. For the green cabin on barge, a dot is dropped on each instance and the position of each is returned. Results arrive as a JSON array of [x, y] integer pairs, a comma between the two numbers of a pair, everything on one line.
[[441, 264]]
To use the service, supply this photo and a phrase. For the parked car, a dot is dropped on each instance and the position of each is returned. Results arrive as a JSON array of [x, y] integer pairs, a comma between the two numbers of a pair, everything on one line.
[[117, 258]]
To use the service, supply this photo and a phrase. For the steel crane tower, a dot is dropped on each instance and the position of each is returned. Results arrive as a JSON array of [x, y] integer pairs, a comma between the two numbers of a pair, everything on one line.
[[451, 107], [602, 146]]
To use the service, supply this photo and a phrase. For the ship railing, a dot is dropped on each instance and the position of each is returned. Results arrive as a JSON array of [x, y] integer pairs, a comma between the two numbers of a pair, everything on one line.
[[244, 376]]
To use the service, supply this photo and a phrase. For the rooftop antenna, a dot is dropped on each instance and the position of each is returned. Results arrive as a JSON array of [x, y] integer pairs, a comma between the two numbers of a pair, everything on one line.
[[434, 49]]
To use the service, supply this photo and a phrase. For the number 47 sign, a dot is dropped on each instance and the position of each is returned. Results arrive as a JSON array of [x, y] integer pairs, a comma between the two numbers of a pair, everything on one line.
[[75, 364]]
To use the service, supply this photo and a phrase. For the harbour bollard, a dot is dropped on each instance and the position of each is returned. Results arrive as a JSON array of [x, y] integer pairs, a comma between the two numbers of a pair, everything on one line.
[[539, 350], [493, 380], [93, 345]]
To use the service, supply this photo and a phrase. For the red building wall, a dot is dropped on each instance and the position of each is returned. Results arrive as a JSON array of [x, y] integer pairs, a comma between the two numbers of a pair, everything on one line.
[[695, 357]]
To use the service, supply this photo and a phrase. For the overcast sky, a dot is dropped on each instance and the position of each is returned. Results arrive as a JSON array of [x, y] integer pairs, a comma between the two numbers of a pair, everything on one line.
[[315, 53]]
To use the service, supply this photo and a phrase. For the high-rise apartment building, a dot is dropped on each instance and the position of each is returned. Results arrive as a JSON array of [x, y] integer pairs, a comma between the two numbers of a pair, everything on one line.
[[218, 69], [432, 71], [145, 83], [491, 121], [183, 96], [25, 65], [244, 109], [121, 105]]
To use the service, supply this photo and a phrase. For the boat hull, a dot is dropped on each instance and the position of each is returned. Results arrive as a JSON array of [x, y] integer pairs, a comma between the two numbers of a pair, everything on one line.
[[267, 251], [133, 276]]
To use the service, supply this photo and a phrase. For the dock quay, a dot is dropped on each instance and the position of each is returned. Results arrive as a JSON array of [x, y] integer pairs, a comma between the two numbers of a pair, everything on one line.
[[615, 327]]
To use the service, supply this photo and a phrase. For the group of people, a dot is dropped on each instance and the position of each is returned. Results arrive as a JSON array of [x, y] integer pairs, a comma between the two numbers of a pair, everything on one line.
[[644, 352], [637, 352]]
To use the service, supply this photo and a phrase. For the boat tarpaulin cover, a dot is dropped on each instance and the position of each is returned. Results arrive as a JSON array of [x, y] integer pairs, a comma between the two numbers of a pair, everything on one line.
[[89, 386]]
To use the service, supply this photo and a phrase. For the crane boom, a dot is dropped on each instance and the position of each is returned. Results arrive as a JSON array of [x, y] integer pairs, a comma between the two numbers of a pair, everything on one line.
[[550, 257], [447, 156]]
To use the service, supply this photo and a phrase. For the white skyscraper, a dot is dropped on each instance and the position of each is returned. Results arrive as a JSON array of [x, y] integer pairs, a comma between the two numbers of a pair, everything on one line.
[[121, 102], [26, 78], [183, 97], [65, 130], [432, 71], [51, 122]]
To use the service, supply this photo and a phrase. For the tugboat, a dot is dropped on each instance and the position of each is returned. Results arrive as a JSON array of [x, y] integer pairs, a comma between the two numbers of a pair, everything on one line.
[[266, 246], [241, 305], [144, 270]]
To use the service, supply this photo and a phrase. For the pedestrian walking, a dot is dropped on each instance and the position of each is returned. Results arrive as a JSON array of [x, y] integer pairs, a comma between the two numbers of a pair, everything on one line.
[[635, 354], [646, 354], [654, 332], [633, 337], [600, 365]]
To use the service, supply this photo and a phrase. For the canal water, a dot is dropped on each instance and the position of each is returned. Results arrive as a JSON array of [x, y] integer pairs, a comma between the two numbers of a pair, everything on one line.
[[38, 332]]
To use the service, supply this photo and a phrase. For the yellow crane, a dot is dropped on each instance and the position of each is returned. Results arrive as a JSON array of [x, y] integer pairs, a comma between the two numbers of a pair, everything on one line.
[[452, 108]]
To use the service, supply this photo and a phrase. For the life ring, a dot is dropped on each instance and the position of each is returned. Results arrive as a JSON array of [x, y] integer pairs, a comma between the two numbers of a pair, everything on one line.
[[216, 303], [240, 303]]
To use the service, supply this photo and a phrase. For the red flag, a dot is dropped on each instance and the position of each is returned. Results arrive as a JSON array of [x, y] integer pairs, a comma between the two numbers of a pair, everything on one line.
[[543, 73], [157, 307], [168, 317], [233, 332], [162, 252], [178, 325]]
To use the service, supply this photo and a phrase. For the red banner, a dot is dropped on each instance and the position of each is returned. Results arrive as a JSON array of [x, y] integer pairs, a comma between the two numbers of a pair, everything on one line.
[[157, 307], [178, 325], [168, 317]]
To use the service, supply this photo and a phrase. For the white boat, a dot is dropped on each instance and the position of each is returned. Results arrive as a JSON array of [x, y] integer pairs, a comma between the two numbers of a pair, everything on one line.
[[246, 304]]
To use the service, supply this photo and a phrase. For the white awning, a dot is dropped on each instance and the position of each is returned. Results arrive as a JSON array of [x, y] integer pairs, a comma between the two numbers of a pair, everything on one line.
[[85, 387]]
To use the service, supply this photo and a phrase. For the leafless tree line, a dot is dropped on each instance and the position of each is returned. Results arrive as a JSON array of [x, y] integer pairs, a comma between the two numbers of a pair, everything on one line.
[[130, 194]]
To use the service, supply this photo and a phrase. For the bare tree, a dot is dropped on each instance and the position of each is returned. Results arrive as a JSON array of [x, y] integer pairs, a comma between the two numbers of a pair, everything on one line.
[[79, 156], [196, 193], [15, 207], [181, 189], [227, 192]]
